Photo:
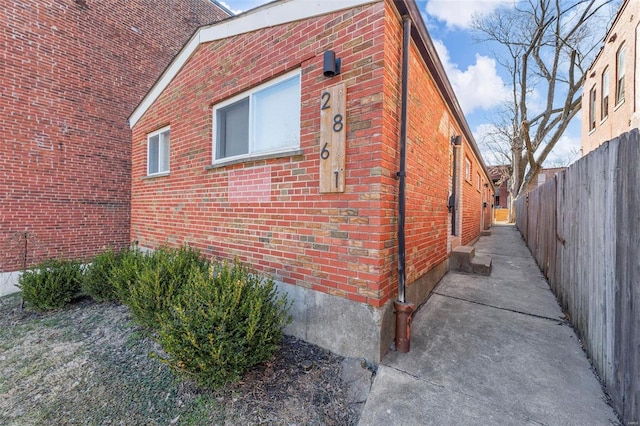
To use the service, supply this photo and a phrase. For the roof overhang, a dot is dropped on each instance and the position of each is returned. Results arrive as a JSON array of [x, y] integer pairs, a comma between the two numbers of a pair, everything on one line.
[[285, 11], [425, 46], [269, 15]]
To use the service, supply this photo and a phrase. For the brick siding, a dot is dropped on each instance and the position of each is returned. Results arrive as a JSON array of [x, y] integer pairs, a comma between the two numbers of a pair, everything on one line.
[[72, 72], [342, 244]]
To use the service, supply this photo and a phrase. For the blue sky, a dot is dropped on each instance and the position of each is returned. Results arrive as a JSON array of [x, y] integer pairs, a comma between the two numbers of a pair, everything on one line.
[[471, 67]]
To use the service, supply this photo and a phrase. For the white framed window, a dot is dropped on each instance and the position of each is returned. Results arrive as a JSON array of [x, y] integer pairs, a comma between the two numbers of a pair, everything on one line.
[[158, 144], [592, 108], [263, 120], [605, 94], [467, 169], [620, 74]]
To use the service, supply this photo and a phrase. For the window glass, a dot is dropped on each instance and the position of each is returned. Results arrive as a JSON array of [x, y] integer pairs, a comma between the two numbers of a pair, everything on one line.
[[592, 108], [233, 129], [467, 169], [605, 94], [276, 116], [265, 119], [620, 75], [158, 152]]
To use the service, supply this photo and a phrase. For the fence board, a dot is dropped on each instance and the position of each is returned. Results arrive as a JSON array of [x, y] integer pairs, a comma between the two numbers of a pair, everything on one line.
[[583, 228]]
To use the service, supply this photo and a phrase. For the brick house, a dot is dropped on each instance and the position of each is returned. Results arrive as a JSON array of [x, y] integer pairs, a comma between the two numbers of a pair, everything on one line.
[[255, 143], [611, 91], [72, 72]]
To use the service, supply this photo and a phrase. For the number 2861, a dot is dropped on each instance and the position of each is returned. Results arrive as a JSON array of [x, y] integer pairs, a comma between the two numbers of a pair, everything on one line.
[[338, 123]]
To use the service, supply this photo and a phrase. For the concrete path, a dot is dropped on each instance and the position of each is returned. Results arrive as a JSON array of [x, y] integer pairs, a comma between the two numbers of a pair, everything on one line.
[[490, 351]]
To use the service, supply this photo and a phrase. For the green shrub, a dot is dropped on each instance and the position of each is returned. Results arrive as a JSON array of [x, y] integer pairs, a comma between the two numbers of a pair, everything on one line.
[[157, 281], [224, 322], [125, 275], [51, 284], [98, 280]]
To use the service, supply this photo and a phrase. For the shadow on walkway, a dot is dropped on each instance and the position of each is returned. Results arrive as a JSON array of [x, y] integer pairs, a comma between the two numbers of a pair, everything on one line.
[[490, 351]]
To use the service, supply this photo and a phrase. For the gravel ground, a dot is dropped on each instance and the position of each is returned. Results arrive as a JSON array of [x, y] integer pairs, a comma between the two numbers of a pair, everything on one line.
[[90, 364]]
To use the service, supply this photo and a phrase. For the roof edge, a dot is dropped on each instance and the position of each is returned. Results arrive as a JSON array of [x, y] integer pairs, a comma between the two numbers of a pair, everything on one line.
[[224, 8], [269, 15], [425, 45]]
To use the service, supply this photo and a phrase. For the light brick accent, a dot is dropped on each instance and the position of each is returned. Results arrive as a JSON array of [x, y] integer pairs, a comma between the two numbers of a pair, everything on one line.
[[342, 244]]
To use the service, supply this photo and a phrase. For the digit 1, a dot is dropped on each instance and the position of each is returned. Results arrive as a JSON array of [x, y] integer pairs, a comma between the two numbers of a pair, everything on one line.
[[336, 173]]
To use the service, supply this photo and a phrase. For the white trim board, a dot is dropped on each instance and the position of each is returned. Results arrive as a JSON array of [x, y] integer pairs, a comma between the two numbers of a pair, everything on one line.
[[272, 14]]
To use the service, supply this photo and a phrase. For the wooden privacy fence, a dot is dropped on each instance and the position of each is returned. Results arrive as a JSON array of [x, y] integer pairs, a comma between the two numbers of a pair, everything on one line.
[[583, 228]]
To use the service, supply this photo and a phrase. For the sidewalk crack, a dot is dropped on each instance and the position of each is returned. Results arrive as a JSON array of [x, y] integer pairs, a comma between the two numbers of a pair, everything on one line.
[[456, 389], [560, 321]]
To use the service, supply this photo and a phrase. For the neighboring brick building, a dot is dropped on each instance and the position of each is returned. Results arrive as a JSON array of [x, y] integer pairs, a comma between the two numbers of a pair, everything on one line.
[[611, 91], [72, 72], [544, 176], [238, 151], [500, 178]]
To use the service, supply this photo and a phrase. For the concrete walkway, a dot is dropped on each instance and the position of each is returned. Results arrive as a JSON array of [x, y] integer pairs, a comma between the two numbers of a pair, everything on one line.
[[490, 351]]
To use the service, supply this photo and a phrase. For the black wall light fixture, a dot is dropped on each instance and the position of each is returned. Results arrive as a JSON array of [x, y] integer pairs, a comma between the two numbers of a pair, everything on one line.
[[332, 65]]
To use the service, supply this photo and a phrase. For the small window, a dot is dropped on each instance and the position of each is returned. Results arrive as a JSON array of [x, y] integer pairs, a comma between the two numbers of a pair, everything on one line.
[[263, 120], [467, 169], [542, 178], [158, 152], [620, 75], [604, 113], [478, 181], [592, 108]]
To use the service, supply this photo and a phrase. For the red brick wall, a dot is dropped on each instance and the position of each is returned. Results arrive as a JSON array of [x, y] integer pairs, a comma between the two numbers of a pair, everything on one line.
[[334, 243], [428, 172], [342, 244], [72, 72], [471, 198]]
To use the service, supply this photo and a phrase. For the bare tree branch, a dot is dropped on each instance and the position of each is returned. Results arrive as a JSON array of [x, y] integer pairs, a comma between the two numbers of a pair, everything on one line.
[[548, 45]]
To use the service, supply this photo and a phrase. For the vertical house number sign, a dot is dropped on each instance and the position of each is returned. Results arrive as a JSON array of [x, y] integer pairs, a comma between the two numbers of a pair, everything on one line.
[[333, 131]]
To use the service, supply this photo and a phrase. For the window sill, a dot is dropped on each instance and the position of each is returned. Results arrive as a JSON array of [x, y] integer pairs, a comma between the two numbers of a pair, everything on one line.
[[603, 120], [223, 163], [156, 175], [618, 105]]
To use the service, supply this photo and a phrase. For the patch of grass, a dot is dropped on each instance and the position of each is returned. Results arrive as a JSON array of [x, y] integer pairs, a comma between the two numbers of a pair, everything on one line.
[[89, 364], [203, 410]]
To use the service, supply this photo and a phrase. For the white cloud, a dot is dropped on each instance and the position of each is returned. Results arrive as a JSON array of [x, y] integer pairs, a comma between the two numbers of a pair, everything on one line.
[[566, 151], [479, 86], [225, 4], [459, 13]]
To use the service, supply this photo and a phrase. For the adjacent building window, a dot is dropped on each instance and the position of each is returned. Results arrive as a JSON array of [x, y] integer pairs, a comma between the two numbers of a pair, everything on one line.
[[478, 181], [620, 74], [263, 120], [605, 94], [467, 169], [592, 108], [158, 144]]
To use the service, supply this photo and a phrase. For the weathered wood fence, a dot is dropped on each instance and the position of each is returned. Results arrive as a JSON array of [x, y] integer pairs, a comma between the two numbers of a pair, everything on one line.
[[583, 228]]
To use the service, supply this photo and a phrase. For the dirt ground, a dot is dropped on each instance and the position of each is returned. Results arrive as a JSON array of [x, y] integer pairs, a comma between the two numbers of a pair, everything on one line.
[[90, 364]]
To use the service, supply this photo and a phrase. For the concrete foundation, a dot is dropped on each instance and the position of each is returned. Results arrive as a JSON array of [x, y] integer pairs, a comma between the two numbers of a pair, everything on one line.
[[8, 281], [349, 328], [343, 326]]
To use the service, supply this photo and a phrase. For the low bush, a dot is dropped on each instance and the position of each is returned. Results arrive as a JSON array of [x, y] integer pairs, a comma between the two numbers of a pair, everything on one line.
[[225, 321], [148, 284], [51, 284], [98, 280], [125, 275]]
